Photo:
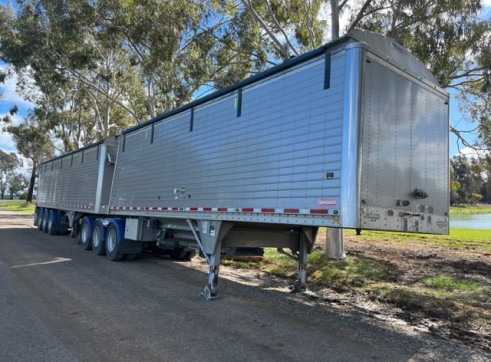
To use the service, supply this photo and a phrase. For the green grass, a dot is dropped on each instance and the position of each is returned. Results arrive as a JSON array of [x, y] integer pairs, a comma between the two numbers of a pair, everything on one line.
[[445, 283], [18, 206], [455, 234], [458, 238]]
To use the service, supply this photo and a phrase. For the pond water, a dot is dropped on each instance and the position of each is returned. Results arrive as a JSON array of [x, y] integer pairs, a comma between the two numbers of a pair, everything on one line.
[[475, 221]]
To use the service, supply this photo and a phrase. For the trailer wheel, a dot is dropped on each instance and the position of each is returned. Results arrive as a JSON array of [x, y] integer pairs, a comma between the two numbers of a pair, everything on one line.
[[113, 243], [44, 223], [36, 216], [51, 227], [84, 235], [98, 244], [39, 222]]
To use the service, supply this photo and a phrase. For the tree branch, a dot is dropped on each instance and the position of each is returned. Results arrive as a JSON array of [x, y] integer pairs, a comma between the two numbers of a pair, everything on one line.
[[360, 15], [281, 48], [310, 24], [271, 12]]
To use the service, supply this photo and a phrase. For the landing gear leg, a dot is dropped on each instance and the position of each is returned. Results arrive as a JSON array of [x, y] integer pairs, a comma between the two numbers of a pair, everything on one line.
[[211, 234], [306, 243], [211, 290], [301, 284]]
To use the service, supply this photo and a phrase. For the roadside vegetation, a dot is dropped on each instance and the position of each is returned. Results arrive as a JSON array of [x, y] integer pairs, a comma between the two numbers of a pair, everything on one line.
[[440, 282], [470, 209], [18, 205]]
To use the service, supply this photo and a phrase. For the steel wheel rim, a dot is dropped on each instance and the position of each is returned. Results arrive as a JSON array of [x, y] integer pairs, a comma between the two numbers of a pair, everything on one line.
[[111, 240], [96, 238], [85, 232]]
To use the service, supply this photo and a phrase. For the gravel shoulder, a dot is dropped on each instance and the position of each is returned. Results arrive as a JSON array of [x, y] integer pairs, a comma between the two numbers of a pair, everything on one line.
[[403, 297], [65, 304]]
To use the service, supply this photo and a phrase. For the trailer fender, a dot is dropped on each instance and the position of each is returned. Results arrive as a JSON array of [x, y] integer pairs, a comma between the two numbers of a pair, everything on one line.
[[119, 224]]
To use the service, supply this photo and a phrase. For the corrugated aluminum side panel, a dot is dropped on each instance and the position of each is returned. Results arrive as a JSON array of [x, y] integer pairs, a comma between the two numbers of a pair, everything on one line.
[[404, 147], [70, 182], [282, 152]]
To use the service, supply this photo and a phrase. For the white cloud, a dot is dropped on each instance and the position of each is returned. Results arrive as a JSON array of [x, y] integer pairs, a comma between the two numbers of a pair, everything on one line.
[[473, 153]]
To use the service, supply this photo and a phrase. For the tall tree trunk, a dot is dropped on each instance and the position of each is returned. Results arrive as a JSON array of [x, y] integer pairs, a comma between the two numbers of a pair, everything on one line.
[[30, 190]]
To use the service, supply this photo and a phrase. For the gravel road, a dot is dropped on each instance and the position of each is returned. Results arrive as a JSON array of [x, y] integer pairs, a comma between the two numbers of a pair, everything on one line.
[[61, 303]]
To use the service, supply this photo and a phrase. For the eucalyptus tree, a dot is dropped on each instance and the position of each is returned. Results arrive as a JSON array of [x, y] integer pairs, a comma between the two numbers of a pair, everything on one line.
[[33, 142], [183, 48], [99, 66], [9, 162], [447, 35], [76, 66]]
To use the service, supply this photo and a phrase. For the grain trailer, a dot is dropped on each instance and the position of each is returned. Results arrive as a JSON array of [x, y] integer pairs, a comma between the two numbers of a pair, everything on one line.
[[351, 135]]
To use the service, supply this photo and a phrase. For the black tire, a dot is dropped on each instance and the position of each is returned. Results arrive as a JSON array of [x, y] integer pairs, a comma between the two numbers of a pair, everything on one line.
[[112, 244], [98, 243], [40, 219], [84, 236], [36, 216], [51, 227], [44, 224]]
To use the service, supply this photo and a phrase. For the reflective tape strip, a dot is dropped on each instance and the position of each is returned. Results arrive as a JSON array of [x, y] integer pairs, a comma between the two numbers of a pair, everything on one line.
[[247, 210]]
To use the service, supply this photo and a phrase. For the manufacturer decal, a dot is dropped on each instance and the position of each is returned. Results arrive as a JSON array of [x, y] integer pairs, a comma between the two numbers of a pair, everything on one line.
[[373, 216], [328, 202]]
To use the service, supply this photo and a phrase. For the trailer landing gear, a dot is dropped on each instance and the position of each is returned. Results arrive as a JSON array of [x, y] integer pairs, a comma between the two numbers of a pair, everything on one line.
[[211, 290], [209, 241]]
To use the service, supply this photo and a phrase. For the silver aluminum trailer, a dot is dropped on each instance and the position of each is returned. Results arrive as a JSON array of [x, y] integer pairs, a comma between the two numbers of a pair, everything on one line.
[[351, 135]]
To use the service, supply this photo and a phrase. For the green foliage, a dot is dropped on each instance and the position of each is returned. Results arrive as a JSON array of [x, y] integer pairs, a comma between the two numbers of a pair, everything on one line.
[[354, 271], [467, 176], [101, 66], [33, 142], [446, 283], [451, 39], [9, 162]]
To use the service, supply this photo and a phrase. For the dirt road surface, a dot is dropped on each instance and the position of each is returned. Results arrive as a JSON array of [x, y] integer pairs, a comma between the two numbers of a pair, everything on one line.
[[61, 303]]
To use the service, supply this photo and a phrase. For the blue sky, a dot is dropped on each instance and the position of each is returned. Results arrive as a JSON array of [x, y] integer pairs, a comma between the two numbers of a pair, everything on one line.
[[11, 98]]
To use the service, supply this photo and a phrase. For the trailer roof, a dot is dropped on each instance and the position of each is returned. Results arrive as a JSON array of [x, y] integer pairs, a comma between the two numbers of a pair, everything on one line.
[[72, 152]]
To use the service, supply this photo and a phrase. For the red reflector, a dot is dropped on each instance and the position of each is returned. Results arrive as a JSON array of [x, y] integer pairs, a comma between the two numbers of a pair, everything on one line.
[[206, 208], [194, 209], [319, 211], [247, 209], [222, 209], [291, 211], [267, 210]]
